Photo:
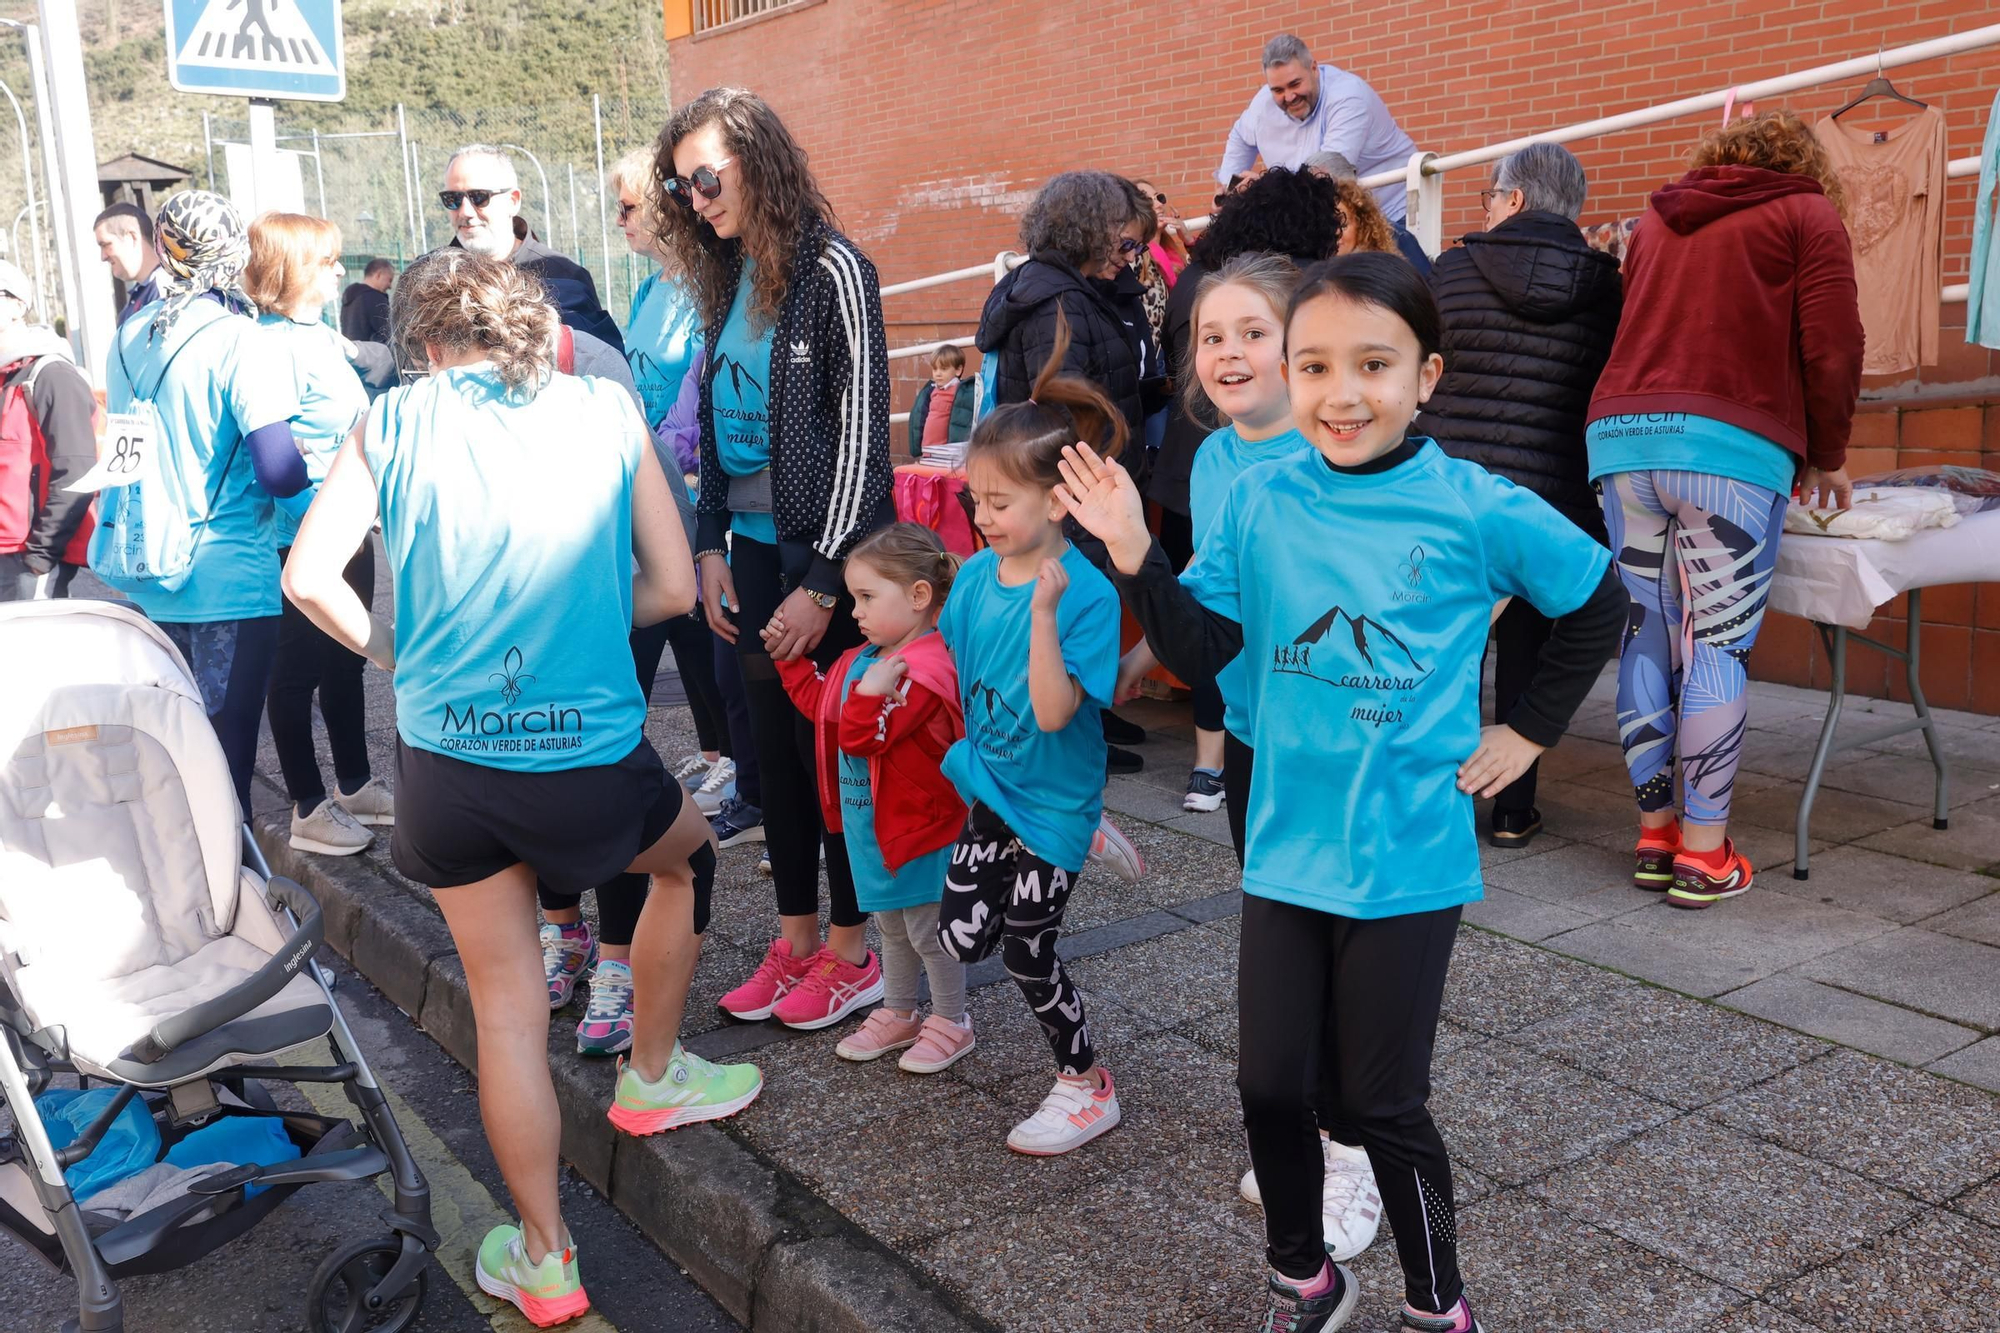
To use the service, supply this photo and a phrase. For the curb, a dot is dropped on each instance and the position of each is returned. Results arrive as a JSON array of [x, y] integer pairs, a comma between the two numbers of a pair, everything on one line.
[[769, 1250]]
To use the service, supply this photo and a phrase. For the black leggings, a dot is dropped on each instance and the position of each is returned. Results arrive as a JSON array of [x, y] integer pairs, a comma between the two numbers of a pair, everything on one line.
[[1518, 637], [1331, 1004], [231, 661], [793, 829], [1177, 540], [308, 660], [621, 898], [999, 894], [693, 644]]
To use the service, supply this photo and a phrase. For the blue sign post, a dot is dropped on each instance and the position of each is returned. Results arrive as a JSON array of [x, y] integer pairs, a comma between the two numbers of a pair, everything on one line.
[[283, 49]]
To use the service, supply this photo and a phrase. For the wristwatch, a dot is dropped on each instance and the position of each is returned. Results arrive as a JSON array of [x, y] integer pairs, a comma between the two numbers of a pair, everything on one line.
[[823, 600]]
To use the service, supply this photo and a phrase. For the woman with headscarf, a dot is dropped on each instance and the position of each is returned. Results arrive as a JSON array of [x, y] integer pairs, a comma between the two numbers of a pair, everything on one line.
[[225, 400]]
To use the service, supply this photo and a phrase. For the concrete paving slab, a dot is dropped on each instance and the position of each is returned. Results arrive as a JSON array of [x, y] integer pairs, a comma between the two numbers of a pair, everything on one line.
[[1978, 920], [1593, 879], [1172, 979], [1971, 843], [1522, 917], [1906, 777], [1920, 969], [1978, 1065], [1493, 858], [1209, 827], [1851, 1020], [1530, 1266], [1673, 1049], [1882, 885], [1011, 1044], [1840, 816], [1582, 811], [1982, 1203], [1943, 1272], [1729, 945], [1899, 1127], [1497, 985], [1732, 1208], [1125, 795], [1181, 867], [1959, 738], [1757, 1317], [1515, 1115], [1576, 757]]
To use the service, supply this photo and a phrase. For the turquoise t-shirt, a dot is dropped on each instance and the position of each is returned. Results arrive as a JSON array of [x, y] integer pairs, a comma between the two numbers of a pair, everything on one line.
[[229, 383], [1048, 786], [331, 399], [662, 340], [1365, 601], [1223, 457], [1683, 442], [508, 527], [739, 402], [876, 888]]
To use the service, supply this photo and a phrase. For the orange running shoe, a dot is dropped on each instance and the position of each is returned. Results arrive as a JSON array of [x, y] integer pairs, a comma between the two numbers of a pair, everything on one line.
[[1694, 886]]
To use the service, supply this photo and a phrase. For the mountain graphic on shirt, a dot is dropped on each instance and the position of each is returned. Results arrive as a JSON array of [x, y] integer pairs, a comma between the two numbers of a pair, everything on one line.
[[1357, 652], [980, 694], [738, 373]]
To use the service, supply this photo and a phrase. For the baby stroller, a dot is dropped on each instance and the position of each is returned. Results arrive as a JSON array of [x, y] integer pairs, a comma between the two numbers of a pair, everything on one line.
[[147, 954]]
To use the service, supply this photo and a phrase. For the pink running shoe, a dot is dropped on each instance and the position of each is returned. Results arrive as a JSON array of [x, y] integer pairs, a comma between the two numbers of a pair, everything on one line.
[[831, 989], [881, 1033], [1115, 852], [775, 976]]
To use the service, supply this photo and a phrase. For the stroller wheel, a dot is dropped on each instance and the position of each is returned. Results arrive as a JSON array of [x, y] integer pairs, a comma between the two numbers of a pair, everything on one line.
[[336, 1302]]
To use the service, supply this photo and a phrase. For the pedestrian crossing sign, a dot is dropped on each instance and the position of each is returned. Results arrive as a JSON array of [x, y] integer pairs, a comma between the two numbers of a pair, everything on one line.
[[257, 48]]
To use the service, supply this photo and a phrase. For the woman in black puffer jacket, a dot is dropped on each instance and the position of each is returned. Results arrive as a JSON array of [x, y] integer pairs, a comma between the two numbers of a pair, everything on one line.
[[1081, 234], [1529, 313]]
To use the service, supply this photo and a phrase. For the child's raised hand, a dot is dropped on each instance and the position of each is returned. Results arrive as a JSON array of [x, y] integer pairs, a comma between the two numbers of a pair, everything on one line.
[[773, 630], [882, 677], [1099, 494], [1050, 584], [1503, 755]]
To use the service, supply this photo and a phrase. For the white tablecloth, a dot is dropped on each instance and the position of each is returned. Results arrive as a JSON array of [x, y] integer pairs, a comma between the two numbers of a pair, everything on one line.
[[1841, 581]]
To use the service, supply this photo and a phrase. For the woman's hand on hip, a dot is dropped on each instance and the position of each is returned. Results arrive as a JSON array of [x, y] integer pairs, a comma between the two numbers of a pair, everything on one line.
[[801, 623], [717, 586]]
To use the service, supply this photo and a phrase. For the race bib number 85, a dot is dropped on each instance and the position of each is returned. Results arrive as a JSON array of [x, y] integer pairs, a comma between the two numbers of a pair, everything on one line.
[[126, 454]]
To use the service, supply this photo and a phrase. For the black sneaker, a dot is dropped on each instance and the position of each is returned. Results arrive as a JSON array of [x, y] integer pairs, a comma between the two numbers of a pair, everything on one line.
[[1120, 732], [1121, 761], [737, 822], [1204, 791], [1514, 828], [1290, 1312]]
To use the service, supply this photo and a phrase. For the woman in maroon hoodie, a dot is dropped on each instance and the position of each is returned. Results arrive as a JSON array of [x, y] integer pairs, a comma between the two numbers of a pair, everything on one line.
[[1733, 378]]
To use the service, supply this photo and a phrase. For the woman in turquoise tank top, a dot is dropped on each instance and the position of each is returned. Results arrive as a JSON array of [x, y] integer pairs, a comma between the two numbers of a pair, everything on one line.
[[528, 528]]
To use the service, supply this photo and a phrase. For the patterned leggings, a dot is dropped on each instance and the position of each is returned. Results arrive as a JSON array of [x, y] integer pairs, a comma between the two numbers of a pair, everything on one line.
[[1696, 553], [1000, 893]]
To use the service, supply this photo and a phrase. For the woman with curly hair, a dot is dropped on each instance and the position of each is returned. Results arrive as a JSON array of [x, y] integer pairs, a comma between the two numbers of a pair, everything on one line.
[[1362, 224], [521, 730], [1081, 234], [1733, 377], [795, 470]]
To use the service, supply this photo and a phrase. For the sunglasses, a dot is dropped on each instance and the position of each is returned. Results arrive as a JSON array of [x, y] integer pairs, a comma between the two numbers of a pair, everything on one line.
[[704, 182], [625, 211], [451, 199], [1128, 246], [1159, 198]]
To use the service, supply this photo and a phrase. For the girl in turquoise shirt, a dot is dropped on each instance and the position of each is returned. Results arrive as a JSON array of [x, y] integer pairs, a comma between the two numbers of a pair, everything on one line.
[[1357, 583]]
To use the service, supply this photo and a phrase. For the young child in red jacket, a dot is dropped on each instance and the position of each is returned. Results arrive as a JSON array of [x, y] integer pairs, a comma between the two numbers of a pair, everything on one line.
[[883, 716]]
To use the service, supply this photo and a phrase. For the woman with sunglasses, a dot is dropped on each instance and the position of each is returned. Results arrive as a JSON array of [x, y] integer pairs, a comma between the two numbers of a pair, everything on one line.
[[794, 471], [1081, 233], [1168, 246]]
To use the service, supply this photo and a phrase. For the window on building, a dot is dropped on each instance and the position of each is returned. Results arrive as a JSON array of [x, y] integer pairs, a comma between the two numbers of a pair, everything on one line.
[[711, 14]]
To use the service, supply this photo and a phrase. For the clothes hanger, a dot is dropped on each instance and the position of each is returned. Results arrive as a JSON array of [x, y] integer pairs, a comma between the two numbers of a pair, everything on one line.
[[1879, 86]]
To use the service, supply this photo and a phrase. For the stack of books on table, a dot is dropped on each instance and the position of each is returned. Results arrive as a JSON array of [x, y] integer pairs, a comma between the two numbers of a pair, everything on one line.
[[951, 456]]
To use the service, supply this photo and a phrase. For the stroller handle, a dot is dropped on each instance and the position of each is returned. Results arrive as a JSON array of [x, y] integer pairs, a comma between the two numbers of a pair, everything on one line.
[[253, 990]]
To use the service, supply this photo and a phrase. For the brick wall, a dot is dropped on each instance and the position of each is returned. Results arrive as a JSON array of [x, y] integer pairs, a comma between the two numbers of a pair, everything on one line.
[[932, 122]]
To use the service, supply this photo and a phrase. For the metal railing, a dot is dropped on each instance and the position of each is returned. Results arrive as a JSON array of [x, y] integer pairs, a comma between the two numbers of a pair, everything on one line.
[[1424, 175], [712, 14]]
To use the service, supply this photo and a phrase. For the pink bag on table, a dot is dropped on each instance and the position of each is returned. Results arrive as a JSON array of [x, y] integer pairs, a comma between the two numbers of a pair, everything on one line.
[[932, 499]]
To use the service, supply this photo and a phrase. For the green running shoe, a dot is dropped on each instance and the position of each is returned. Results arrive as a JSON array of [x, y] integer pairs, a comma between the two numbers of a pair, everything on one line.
[[691, 1090], [548, 1293]]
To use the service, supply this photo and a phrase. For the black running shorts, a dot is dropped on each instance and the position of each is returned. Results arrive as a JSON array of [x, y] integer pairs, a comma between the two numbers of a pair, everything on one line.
[[458, 822]]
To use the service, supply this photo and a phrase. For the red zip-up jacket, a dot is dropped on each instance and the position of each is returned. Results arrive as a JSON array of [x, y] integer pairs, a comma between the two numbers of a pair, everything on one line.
[[903, 736], [1740, 305]]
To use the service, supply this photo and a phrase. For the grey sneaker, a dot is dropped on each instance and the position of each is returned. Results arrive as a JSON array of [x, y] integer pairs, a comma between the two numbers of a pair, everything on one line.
[[374, 804], [328, 830], [719, 786], [1289, 1312]]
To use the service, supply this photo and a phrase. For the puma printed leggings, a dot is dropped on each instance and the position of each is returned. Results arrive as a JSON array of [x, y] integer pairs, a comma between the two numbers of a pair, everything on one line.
[[1000, 894]]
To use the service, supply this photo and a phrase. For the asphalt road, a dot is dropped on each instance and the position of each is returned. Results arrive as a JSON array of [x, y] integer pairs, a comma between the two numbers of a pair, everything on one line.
[[257, 1283]]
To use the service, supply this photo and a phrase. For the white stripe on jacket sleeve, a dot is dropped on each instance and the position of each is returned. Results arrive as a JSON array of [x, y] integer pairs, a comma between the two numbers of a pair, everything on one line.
[[850, 470]]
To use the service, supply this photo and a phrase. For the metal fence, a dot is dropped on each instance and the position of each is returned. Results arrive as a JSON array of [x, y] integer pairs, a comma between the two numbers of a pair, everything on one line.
[[711, 14], [378, 182]]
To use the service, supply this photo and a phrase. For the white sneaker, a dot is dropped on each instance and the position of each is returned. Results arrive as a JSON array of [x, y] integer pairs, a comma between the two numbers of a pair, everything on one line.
[[1115, 852], [689, 770], [374, 804], [717, 787], [1069, 1117], [1350, 1203], [328, 830]]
